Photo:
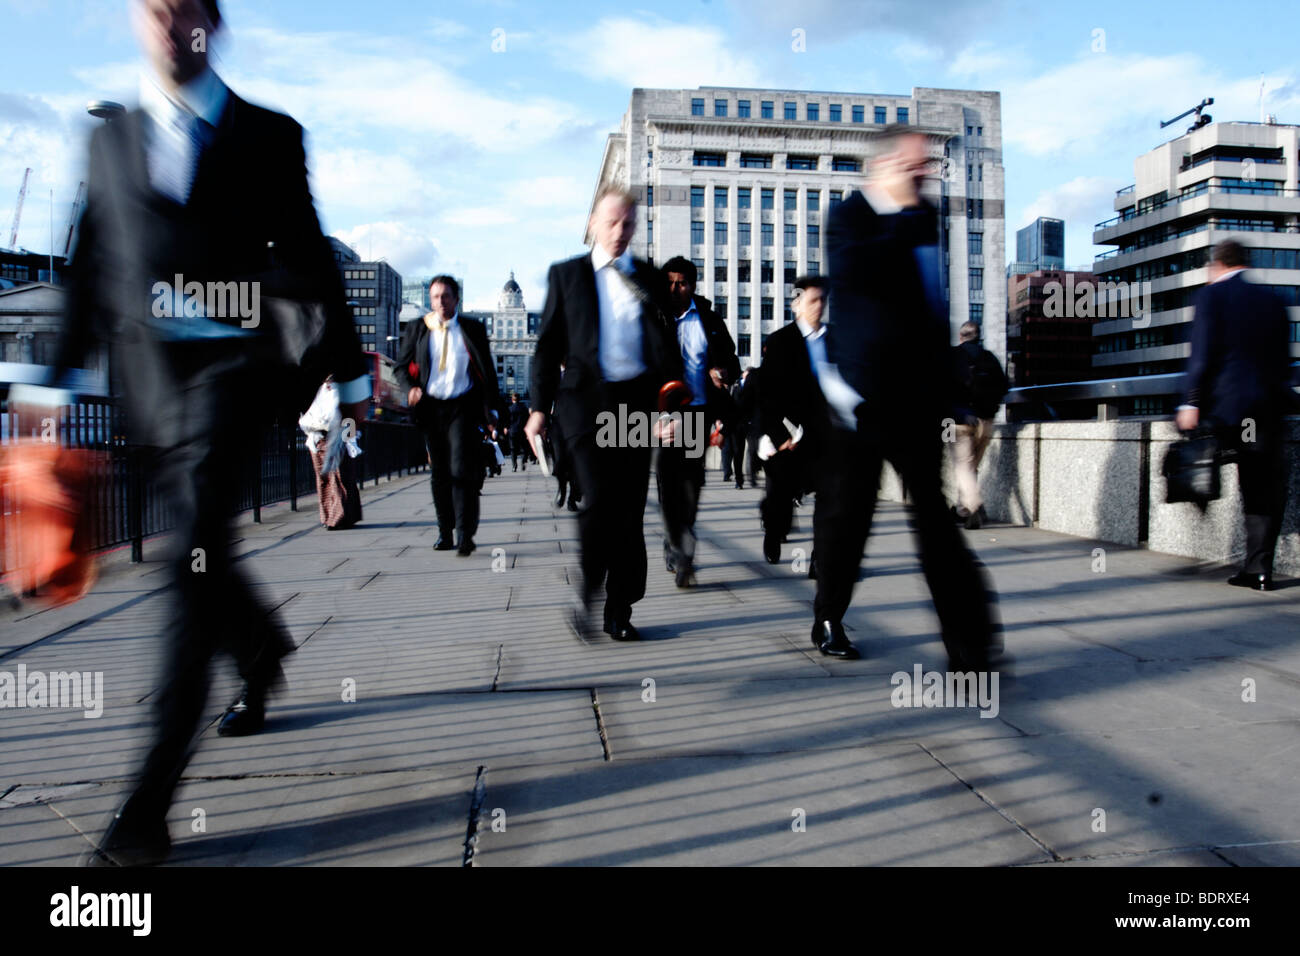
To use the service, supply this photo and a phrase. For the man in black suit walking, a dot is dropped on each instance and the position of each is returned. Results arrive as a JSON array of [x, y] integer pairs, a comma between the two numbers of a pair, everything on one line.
[[893, 384], [193, 199], [791, 394], [445, 364], [709, 363], [604, 327], [518, 440], [1238, 384]]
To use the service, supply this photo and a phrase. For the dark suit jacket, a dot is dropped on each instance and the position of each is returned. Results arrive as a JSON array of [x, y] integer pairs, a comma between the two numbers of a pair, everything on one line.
[[790, 390], [1240, 365], [249, 217], [721, 353], [569, 334], [889, 343], [414, 364]]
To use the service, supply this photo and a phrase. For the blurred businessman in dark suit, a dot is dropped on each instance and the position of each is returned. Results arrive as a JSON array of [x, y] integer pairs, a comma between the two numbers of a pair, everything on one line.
[[709, 364], [201, 185], [1238, 384], [605, 341], [893, 382]]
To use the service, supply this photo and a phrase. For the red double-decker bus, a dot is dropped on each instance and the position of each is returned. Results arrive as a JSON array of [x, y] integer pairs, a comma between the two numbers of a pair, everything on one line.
[[387, 399]]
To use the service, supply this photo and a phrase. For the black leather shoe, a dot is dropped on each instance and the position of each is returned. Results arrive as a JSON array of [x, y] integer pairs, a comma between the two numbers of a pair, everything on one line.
[[466, 548], [686, 576], [245, 716], [974, 521], [442, 544], [1256, 582], [835, 643], [559, 498], [573, 504], [623, 631], [131, 844], [771, 549]]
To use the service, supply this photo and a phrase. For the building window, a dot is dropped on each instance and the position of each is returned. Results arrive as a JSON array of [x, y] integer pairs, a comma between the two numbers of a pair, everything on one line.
[[977, 312], [743, 270], [814, 267], [742, 197], [880, 114], [697, 197], [970, 173], [814, 112], [768, 198], [814, 237], [791, 111], [975, 243], [699, 266], [719, 107], [791, 271], [844, 164], [767, 235], [767, 268], [977, 280], [719, 270], [649, 157], [791, 199], [649, 195], [650, 232], [742, 346], [697, 107], [979, 209], [801, 162], [979, 130], [742, 237], [742, 308], [837, 197], [970, 130], [767, 107], [765, 310], [719, 197], [835, 113], [742, 109], [902, 114], [791, 235], [859, 114], [755, 160], [814, 200], [710, 159], [719, 233], [970, 208], [697, 233], [720, 307], [789, 311]]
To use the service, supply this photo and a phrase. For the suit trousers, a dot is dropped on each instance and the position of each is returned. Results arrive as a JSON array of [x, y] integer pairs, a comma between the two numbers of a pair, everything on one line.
[[1261, 473], [213, 605], [968, 451], [455, 447], [786, 479], [846, 502], [679, 479], [611, 519]]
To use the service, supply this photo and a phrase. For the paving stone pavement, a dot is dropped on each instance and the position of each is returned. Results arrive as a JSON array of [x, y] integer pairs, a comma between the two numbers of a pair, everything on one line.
[[439, 711]]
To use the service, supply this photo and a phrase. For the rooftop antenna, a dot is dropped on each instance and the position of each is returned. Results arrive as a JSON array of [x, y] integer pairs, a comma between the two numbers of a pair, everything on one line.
[[1201, 119]]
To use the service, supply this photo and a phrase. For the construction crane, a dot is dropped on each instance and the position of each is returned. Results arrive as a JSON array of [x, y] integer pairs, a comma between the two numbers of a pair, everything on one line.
[[72, 217], [1205, 120], [18, 210]]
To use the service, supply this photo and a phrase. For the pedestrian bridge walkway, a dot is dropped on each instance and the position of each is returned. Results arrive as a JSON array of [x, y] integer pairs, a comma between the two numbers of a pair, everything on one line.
[[440, 712]]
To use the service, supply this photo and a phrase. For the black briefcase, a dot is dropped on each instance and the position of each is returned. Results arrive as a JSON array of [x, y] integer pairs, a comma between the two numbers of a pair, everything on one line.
[[1191, 469]]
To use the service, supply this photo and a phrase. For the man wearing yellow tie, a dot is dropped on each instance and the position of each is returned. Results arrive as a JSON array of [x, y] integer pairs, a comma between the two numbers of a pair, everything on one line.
[[446, 366]]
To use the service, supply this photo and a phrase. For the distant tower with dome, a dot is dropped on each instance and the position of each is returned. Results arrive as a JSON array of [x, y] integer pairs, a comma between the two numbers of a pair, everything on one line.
[[512, 330]]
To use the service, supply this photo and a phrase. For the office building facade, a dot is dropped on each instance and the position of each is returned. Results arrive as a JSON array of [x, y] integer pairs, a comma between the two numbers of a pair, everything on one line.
[[1043, 348], [741, 180], [1224, 180], [1040, 247], [374, 293]]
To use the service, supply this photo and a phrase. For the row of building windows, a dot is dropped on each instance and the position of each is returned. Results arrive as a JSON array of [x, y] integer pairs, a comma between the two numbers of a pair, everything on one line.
[[766, 308], [361, 293], [743, 234], [745, 196], [358, 273], [715, 159], [790, 111], [767, 270], [363, 310]]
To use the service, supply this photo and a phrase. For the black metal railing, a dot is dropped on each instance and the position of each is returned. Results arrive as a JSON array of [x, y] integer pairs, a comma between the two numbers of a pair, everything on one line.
[[126, 508]]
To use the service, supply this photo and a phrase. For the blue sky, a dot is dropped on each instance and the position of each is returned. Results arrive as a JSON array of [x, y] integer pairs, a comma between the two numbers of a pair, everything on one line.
[[438, 153]]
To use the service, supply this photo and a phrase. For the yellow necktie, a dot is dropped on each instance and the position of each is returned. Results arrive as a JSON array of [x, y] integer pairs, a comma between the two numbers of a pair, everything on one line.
[[442, 359]]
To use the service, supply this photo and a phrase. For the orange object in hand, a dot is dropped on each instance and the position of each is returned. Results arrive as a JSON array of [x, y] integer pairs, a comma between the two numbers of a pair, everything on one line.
[[45, 490]]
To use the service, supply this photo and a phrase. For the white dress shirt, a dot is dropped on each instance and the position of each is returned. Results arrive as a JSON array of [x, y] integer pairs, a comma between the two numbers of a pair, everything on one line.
[[180, 124], [453, 381], [621, 355], [694, 344]]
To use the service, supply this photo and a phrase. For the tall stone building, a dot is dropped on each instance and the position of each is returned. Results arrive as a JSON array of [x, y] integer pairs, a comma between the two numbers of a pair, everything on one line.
[[740, 181], [512, 333]]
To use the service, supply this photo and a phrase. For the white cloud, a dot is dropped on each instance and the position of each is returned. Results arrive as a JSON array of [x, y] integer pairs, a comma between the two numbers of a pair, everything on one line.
[[408, 250], [1084, 198], [654, 53], [480, 216], [359, 179]]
